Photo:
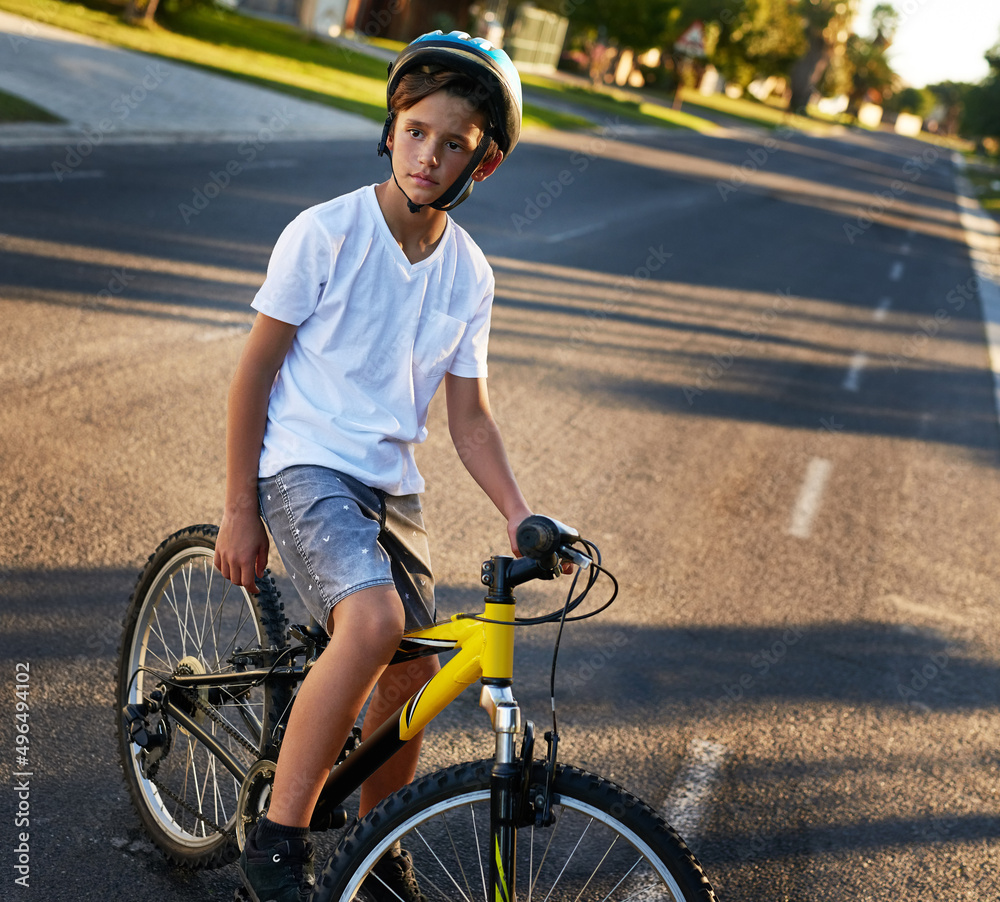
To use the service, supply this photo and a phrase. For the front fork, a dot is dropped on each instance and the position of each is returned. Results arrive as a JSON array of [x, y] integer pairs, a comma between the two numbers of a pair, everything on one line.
[[505, 789]]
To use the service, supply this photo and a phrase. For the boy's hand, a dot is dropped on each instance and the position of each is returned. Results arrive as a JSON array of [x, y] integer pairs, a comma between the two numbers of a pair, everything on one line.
[[241, 549], [512, 524]]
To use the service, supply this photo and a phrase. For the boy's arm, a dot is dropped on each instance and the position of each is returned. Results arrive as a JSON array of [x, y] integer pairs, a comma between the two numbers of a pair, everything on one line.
[[480, 447], [241, 548]]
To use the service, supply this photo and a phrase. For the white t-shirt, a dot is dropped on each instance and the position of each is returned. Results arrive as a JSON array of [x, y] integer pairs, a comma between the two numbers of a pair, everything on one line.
[[376, 335]]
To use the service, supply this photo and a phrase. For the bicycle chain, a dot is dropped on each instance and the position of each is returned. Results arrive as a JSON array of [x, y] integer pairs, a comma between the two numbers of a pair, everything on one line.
[[190, 808], [211, 713], [226, 726]]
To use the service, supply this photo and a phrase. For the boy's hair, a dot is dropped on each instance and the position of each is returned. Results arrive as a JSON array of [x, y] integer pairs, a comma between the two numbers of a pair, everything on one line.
[[415, 86]]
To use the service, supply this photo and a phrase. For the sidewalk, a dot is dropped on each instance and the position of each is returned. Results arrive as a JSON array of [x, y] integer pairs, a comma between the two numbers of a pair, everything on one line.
[[110, 95]]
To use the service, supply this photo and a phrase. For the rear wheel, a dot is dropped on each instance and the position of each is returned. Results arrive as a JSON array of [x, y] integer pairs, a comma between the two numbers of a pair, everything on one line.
[[603, 845], [185, 618]]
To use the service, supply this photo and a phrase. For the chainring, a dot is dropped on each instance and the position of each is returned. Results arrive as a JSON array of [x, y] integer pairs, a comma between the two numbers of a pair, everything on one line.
[[254, 797]]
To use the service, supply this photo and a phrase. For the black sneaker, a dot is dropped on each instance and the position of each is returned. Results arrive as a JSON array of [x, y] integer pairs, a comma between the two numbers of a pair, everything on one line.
[[393, 880], [282, 873]]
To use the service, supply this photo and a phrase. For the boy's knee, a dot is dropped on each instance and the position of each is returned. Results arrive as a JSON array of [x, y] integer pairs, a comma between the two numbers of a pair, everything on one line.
[[374, 616]]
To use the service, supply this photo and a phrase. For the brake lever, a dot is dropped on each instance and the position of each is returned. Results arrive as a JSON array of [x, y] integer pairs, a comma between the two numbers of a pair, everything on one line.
[[581, 560]]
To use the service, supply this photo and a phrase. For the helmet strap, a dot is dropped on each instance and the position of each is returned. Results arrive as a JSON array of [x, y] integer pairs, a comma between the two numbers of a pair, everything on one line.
[[459, 190]]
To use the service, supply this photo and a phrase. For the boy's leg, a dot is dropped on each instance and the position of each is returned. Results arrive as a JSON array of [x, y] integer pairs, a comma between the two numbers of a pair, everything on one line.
[[395, 686], [365, 627], [277, 862]]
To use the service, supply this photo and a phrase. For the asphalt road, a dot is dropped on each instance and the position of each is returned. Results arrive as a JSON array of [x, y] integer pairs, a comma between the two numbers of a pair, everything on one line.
[[752, 370]]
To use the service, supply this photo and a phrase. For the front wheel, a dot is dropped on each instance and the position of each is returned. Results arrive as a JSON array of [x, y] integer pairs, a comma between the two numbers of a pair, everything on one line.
[[603, 844], [185, 618]]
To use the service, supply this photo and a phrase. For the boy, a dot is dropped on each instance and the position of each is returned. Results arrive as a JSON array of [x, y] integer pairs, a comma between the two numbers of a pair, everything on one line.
[[371, 301]]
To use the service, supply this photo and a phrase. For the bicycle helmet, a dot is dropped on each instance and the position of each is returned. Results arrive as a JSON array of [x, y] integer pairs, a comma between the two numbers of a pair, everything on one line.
[[485, 64]]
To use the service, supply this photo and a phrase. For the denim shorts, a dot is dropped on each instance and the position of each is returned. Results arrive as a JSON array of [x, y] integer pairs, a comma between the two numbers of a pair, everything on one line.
[[336, 536]]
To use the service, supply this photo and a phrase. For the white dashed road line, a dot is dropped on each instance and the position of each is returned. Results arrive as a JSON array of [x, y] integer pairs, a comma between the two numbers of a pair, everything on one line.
[[896, 273], [882, 310], [852, 381], [16, 177], [685, 806], [982, 234], [810, 495], [574, 233]]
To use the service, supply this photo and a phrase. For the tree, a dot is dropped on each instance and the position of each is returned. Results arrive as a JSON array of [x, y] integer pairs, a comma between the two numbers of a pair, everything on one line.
[[981, 119], [885, 21], [918, 101], [759, 38], [638, 24], [950, 100], [870, 74], [141, 12], [825, 24]]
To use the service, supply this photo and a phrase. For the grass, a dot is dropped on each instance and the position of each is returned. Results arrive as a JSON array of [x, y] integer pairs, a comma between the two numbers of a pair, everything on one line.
[[985, 179], [755, 112], [608, 103], [269, 54], [14, 109]]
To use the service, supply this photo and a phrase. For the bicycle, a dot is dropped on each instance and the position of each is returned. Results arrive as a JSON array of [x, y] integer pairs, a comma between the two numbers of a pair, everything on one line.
[[207, 675]]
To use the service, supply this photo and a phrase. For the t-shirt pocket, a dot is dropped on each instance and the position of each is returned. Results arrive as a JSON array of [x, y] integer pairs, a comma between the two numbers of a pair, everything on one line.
[[436, 344]]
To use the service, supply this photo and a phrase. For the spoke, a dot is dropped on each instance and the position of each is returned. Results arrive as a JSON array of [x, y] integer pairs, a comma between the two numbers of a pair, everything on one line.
[[244, 616], [447, 873], [217, 620], [166, 665], [196, 784], [220, 803], [158, 632], [187, 772], [170, 594], [248, 714], [189, 612], [649, 892], [208, 619], [479, 853], [568, 860], [597, 868], [545, 855], [458, 858], [531, 859], [625, 877]]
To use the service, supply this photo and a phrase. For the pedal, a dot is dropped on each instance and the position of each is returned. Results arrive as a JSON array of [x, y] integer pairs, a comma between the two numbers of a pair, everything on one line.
[[134, 720], [140, 732], [327, 817]]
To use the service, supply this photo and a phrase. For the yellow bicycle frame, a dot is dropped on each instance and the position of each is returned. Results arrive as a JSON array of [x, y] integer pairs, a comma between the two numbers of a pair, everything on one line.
[[485, 650]]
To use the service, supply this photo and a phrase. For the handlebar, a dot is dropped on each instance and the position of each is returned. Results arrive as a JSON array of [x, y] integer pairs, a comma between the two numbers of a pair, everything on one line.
[[540, 537]]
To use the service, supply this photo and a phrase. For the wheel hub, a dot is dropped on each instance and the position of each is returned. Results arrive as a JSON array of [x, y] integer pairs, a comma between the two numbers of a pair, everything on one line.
[[192, 666]]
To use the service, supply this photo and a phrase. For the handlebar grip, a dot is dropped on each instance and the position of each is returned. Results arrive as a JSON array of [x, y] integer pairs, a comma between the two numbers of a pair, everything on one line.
[[538, 536]]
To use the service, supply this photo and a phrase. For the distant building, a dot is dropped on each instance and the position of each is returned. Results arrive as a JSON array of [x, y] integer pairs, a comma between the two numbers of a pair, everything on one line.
[[398, 20]]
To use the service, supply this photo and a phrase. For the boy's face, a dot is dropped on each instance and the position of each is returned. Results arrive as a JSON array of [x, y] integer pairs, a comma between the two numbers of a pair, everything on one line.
[[432, 143]]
